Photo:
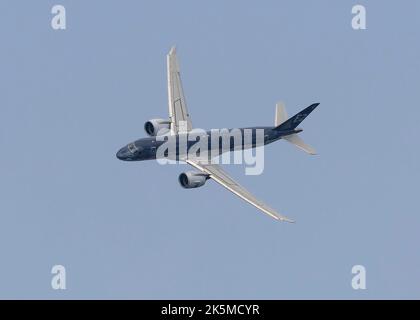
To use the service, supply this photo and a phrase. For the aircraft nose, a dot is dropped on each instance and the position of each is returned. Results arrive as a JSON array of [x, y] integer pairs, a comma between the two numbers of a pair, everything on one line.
[[122, 153]]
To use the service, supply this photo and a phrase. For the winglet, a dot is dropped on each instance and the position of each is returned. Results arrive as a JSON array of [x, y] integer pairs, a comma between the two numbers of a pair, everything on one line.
[[286, 220]]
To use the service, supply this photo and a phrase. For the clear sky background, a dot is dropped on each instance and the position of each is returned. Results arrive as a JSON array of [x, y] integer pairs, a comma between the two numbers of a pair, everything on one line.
[[70, 99]]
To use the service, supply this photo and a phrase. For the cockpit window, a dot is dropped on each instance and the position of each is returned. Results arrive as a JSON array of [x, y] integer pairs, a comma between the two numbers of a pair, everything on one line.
[[132, 148]]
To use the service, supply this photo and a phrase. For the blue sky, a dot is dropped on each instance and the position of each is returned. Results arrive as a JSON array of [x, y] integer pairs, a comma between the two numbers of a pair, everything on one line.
[[71, 98]]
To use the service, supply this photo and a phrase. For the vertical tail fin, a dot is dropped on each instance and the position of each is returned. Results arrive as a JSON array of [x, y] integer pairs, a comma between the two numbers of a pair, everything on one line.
[[282, 122], [294, 121]]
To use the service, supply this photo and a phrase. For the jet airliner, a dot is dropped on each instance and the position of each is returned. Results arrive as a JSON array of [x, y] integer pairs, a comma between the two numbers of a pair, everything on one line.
[[179, 123]]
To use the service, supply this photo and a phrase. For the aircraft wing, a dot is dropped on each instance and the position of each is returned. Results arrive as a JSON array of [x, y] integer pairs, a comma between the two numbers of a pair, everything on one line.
[[178, 112], [220, 176]]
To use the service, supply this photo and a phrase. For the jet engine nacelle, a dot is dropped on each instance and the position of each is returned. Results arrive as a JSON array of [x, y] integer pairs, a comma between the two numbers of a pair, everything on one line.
[[156, 126], [191, 179]]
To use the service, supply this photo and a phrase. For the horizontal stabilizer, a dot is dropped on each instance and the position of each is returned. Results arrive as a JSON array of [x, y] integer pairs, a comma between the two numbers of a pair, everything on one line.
[[298, 142], [281, 114]]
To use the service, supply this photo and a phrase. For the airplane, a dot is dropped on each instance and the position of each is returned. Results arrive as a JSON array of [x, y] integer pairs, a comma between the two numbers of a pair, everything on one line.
[[179, 124]]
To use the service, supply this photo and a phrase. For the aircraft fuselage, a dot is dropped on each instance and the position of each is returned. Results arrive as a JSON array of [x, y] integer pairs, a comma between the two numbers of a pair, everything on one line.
[[237, 139]]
